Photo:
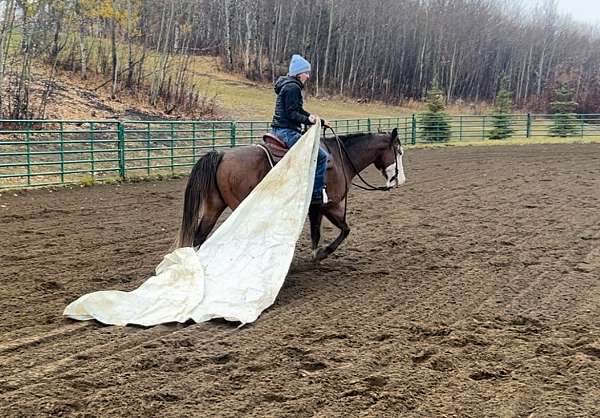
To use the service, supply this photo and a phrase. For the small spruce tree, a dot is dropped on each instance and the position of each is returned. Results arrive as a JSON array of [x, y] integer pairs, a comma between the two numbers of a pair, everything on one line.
[[564, 121], [502, 110], [433, 123]]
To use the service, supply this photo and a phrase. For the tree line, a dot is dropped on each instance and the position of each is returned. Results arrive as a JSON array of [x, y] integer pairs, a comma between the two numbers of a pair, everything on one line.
[[394, 50], [390, 50]]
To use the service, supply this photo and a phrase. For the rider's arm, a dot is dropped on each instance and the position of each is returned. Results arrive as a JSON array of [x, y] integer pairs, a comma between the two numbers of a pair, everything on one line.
[[293, 106]]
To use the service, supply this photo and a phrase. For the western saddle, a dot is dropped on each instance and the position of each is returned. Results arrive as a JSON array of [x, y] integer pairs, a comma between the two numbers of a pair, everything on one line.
[[275, 149]]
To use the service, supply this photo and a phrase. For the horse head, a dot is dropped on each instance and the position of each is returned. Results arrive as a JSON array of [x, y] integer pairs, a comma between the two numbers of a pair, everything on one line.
[[389, 158]]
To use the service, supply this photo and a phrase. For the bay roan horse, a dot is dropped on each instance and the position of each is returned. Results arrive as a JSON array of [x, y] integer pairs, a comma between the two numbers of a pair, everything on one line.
[[223, 179]]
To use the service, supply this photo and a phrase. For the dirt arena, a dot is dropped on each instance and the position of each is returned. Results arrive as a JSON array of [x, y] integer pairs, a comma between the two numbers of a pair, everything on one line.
[[474, 290]]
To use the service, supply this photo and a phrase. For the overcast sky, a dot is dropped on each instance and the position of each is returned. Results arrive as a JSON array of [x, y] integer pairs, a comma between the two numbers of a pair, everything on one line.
[[584, 10]]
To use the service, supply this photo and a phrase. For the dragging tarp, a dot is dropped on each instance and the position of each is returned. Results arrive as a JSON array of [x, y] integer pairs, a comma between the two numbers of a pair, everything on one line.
[[238, 271]]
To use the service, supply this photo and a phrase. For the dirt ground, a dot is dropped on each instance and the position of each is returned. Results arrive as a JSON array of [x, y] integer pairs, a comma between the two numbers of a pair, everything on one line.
[[474, 290]]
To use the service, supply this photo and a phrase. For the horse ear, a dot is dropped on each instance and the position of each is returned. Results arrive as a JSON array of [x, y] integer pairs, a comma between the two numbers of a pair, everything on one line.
[[394, 135]]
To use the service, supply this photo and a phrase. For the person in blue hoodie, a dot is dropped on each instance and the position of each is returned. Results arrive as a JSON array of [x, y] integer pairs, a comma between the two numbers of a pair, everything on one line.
[[290, 116]]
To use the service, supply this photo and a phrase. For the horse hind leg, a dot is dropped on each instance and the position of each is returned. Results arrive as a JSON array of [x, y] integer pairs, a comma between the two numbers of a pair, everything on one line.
[[336, 215], [211, 212]]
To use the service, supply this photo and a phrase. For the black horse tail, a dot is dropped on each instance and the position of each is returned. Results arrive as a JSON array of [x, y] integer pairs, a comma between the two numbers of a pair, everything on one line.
[[202, 182]]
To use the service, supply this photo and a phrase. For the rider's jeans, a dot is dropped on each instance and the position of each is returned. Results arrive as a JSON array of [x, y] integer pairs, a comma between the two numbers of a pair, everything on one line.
[[290, 137]]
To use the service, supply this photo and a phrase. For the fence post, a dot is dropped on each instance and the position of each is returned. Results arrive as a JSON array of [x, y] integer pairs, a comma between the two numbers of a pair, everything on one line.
[[528, 132], [369, 125], [172, 146], [121, 137], [460, 132], [213, 135], [414, 130], [148, 146], [483, 128], [193, 142], [233, 133], [582, 118], [91, 135], [62, 152], [28, 127]]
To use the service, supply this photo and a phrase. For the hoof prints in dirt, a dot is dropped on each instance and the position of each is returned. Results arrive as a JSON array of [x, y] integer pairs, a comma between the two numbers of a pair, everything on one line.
[[487, 375], [476, 295]]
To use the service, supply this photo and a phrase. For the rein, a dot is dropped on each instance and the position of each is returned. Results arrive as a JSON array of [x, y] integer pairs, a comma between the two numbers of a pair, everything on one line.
[[369, 187]]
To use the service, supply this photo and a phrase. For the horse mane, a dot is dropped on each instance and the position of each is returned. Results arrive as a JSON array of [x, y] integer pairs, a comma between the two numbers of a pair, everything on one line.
[[351, 137], [348, 139]]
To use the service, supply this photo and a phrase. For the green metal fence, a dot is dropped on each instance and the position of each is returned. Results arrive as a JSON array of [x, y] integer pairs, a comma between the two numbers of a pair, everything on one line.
[[51, 152], [477, 128]]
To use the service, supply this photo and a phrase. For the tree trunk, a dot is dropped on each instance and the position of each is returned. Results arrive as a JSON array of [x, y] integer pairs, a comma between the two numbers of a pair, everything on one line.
[[228, 51], [82, 49], [115, 62], [451, 77], [289, 31], [326, 63], [5, 35], [130, 66], [248, 20]]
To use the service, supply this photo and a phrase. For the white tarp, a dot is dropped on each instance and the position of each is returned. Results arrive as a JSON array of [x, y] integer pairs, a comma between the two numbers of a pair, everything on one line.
[[238, 271]]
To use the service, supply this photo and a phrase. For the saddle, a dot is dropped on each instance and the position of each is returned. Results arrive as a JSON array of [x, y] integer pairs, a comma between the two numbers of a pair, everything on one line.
[[276, 146], [276, 149]]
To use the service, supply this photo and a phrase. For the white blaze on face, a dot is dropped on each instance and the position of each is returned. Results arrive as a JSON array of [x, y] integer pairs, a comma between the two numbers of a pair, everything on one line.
[[390, 173]]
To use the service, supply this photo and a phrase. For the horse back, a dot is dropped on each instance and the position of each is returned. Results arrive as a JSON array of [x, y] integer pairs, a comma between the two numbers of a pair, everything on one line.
[[241, 169]]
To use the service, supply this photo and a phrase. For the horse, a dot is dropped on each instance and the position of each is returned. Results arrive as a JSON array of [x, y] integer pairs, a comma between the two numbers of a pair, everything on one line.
[[223, 179]]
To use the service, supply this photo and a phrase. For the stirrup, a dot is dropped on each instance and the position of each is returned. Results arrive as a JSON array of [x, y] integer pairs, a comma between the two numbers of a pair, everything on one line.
[[322, 201]]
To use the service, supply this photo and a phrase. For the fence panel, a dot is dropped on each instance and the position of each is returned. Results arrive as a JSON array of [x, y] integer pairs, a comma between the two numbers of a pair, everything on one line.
[[251, 132], [52, 152], [47, 152], [168, 147]]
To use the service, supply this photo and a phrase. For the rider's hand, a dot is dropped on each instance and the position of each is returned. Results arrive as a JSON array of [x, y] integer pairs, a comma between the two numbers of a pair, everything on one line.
[[313, 119], [325, 123]]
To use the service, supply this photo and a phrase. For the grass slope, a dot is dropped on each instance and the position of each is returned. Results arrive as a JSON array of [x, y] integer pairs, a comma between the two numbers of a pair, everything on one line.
[[242, 99]]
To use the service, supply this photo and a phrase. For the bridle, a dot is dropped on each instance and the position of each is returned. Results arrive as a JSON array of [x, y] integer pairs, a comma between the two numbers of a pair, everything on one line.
[[367, 186]]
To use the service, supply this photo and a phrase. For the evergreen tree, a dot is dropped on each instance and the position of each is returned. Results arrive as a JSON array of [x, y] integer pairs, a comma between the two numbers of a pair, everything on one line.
[[564, 122], [434, 123], [502, 110]]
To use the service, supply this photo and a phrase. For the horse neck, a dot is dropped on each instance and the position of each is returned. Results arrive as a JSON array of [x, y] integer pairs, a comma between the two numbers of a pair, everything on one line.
[[362, 152]]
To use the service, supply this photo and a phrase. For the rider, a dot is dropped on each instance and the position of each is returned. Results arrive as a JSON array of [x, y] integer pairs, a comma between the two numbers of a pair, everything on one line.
[[290, 116]]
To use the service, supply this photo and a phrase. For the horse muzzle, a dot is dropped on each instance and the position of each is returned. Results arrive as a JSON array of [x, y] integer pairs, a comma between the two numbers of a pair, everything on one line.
[[394, 174]]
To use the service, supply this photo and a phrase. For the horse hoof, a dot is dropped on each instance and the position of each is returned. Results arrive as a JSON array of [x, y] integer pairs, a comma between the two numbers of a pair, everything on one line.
[[319, 255]]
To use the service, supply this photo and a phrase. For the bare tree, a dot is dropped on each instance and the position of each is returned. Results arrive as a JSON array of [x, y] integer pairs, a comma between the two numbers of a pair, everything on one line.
[[389, 50]]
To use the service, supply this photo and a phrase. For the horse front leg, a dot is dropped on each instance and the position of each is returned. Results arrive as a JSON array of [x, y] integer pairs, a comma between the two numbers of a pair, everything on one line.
[[315, 215], [336, 215]]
